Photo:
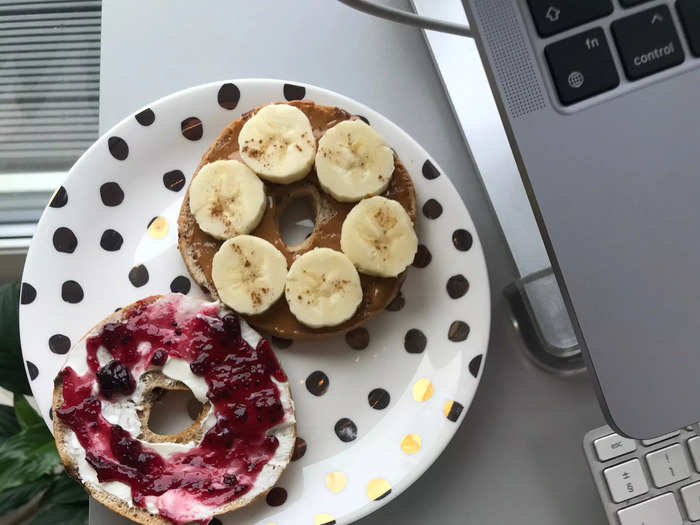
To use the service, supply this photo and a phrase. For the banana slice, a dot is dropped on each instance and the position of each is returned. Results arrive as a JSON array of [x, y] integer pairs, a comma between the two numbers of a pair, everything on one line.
[[353, 162], [227, 199], [323, 288], [249, 274], [278, 143], [378, 237]]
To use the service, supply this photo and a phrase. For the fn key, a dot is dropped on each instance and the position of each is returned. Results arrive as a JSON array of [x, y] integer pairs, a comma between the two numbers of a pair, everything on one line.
[[581, 66]]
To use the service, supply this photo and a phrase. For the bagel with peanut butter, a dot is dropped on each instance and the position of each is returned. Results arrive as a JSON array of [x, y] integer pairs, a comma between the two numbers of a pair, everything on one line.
[[352, 264]]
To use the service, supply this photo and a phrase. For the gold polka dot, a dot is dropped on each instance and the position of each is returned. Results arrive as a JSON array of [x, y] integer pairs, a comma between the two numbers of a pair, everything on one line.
[[336, 481], [378, 488], [158, 228], [447, 407], [422, 390], [324, 519], [410, 443]]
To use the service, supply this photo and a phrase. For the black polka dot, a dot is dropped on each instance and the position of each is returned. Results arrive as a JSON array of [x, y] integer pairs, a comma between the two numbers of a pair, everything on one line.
[[228, 96], [279, 342], [59, 344], [64, 240], [145, 117], [462, 240], [357, 338], [71, 292], [174, 180], [455, 410], [33, 370], [51, 413], [475, 365], [180, 284], [292, 92], [111, 240], [363, 119], [457, 286], [378, 399], [422, 257], [117, 308], [414, 341], [111, 194], [317, 383], [276, 497], [346, 430], [430, 171], [27, 294], [118, 148], [397, 303], [299, 449], [192, 128], [60, 198], [215, 521], [138, 275], [432, 209], [459, 330]]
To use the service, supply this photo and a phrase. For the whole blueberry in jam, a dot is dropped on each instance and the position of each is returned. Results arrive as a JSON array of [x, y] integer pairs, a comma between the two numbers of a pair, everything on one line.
[[115, 378], [159, 358]]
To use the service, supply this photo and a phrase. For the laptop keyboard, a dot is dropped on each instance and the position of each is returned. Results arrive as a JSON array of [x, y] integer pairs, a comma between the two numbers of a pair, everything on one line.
[[645, 42], [647, 482]]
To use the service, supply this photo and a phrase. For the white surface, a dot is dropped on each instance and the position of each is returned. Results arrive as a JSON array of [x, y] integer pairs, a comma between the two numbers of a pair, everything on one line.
[[376, 452], [626, 480], [612, 446], [389, 67], [668, 465], [658, 511], [465, 81]]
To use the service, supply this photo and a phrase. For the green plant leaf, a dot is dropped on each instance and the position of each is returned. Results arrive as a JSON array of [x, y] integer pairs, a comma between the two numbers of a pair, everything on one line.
[[64, 490], [8, 422], [26, 415], [27, 456], [12, 374], [64, 514], [14, 498]]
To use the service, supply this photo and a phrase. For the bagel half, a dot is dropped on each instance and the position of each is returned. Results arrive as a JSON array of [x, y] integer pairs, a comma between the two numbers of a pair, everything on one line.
[[154, 384], [198, 248]]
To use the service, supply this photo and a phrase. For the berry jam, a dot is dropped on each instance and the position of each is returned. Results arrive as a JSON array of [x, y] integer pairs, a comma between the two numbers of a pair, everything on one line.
[[244, 397]]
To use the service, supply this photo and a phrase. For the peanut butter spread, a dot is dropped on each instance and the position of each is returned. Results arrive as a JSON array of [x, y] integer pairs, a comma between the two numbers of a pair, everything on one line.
[[198, 248]]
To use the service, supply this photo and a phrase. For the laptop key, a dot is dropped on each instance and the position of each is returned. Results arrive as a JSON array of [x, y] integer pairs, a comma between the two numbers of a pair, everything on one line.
[[648, 42], [691, 500], [689, 13], [668, 465], [662, 510], [581, 66], [658, 439], [613, 446], [626, 480], [554, 16]]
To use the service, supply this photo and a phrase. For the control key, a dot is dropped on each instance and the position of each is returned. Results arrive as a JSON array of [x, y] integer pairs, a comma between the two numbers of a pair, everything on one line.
[[648, 42]]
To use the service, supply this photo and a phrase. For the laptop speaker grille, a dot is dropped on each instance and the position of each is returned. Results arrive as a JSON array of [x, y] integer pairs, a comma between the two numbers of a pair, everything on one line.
[[509, 47]]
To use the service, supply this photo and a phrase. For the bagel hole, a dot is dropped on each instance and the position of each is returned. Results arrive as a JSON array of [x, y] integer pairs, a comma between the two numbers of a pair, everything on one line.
[[173, 411], [297, 220]]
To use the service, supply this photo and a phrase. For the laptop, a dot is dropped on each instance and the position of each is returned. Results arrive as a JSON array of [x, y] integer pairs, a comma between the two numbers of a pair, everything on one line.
[[600, 102]]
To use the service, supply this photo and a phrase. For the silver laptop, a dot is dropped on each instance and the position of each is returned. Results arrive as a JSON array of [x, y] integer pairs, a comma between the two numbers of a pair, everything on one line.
[[601, 104]]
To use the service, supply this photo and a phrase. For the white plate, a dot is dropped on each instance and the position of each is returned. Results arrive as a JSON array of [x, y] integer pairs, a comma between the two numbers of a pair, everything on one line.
[[80, 267]]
